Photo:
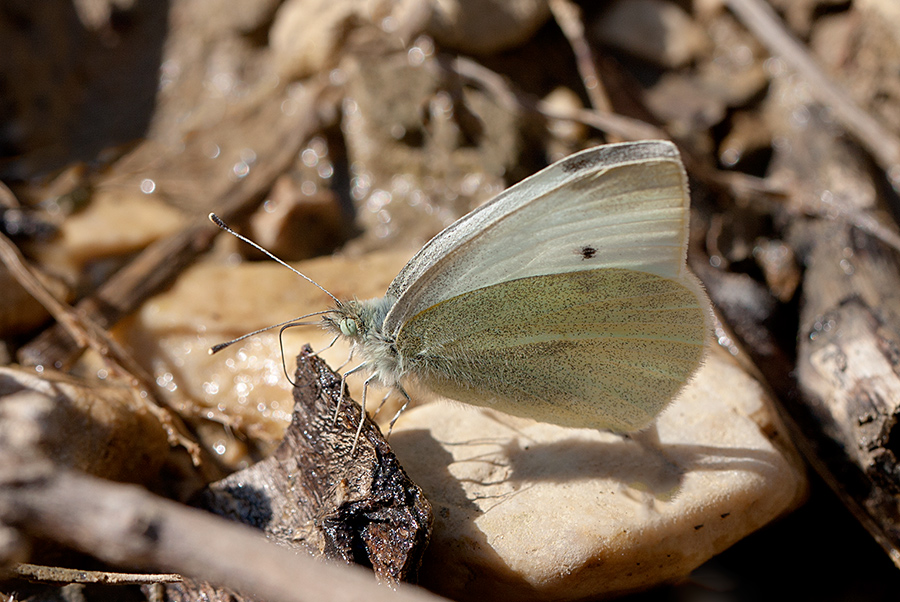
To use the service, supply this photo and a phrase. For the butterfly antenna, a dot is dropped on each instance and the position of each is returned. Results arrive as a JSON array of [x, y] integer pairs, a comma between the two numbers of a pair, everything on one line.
[[281, 345], [291, 322], [218, 221]]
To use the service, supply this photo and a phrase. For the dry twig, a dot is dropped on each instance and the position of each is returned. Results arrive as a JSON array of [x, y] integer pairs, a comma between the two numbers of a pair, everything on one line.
[[56, 574], [568, 17], [163, 260], [86, 333], [125, 525], [617, 125]]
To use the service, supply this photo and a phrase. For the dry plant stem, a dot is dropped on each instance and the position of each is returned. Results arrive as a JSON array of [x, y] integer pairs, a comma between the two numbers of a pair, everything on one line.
[[56, 574], [125, 525], [163, 260], [611, 123], [568, 17], [85, 333], [80, 328], [760, 19], [614, 125], [864, 220], [18, 267]]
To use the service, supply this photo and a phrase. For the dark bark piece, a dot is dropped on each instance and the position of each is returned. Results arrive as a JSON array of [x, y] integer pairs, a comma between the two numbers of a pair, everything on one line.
[[313, 493], [847, 371]]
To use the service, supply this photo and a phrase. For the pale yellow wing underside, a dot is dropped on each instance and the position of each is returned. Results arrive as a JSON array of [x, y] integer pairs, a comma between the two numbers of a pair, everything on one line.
[[604, 348]]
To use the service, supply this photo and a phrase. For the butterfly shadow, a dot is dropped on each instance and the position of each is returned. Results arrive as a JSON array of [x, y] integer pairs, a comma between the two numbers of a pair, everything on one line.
[[506, 468], [429, 463], [638, 460]]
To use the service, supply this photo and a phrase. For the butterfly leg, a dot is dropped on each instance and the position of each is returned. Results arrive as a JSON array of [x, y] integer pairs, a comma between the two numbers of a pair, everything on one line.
[[327, 347], [362, 414], [381, 405], [400, 411], [344, 388]]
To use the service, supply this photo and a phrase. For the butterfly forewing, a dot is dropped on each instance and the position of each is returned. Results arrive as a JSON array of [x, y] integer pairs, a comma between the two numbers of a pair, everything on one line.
[[610, 207], [605, 348]]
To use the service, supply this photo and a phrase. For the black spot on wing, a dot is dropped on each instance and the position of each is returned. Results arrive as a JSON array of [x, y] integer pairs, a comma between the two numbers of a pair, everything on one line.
[[586, 252]]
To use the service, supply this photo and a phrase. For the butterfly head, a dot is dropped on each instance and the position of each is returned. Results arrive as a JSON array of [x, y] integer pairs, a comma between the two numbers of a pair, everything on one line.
[[357, 320], [345, 320]]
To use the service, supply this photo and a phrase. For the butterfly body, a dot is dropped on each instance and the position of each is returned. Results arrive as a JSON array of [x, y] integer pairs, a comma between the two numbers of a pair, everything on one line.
[[566, 298], [362, 324]]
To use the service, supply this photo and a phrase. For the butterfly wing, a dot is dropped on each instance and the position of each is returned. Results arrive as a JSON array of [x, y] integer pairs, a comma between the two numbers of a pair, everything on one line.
[[614, 206], [605, 348]]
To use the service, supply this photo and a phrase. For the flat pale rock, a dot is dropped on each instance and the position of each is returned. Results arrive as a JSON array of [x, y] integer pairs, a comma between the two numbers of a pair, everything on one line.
[[115, 223], [531, 511]]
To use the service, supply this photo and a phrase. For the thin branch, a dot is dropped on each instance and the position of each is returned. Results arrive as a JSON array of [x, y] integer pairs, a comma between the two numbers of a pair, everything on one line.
[[19, 269], [158, 264], [58, 574], [86, 333], [625, 128], [568, 17], [125, 525]]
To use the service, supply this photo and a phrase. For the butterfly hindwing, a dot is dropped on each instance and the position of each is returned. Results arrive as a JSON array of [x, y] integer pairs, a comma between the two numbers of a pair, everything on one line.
[[603, 348]]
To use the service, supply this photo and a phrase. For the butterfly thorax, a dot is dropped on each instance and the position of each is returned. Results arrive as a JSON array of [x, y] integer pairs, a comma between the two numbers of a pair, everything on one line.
[[362, 324]]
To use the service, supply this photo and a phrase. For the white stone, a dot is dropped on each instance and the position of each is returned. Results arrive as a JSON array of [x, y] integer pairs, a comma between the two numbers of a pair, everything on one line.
[[531, 511], [483, 27], [654, 30]]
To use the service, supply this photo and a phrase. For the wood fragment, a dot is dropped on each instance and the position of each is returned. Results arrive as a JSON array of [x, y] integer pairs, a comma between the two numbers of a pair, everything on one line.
[[842, 397], [848, 369], [314, 493]]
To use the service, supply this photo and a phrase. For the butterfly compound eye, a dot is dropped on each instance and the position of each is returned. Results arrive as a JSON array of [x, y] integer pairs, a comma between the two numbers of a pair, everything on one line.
[[348, 327]]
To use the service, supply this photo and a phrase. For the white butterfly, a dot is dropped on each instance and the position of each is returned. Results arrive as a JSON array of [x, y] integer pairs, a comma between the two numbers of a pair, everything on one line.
[[565, 299]]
